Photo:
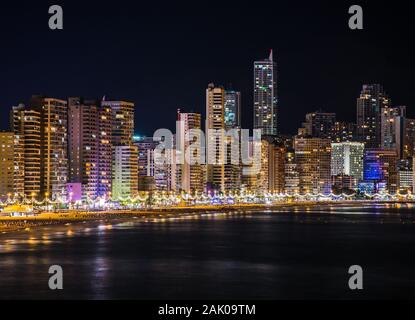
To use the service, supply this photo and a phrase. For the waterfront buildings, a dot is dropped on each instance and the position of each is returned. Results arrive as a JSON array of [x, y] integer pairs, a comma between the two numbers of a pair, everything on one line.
[[380, 169], [347, 160], [122, 121], [41, 147], [291, 176], [125, 172], [265, 96], [190, 177], [215, 125], [393, 128], [312, 156], [89, 146]]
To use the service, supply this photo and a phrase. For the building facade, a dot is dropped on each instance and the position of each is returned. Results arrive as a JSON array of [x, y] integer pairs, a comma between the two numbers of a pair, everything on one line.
[[7, 189], [215, 131], [313, 158], [369, 107], [125, 172], [347, 160], [89, 147]]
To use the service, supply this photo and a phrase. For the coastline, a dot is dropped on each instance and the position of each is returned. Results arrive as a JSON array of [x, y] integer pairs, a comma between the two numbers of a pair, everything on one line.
[[15, 224]]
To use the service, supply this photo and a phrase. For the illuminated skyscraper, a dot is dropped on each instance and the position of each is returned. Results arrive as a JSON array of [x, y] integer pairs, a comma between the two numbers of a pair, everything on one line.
[[369, 108], [232, 109], [409, 139], [312, 156], [123, 121], [190, 176], [215, 120], [125, 172], [41, 137], [265, 96], [347, 160], [89, 146], [6, 165], [380, 169], [393, 128], [319, 124], [26, 124]]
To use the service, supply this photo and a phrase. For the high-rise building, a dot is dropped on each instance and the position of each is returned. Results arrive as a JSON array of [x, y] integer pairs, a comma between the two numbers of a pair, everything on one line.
[[26, 124], [319, 124], [232, 109], [6, 165], [215, 131], [343, 132], [54, 147], [347, 160], [190, 176], [123, 121], [89, 146], [41, 147], [291, 177], [265, 96], [380, 169], [409, 139], [393, 129], [312, 156], [369, 108], [405, 176], [152, 174], [277, 169], [125, 172]]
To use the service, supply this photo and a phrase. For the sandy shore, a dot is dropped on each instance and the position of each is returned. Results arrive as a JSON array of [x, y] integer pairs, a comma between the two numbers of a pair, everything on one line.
[[9, 224]]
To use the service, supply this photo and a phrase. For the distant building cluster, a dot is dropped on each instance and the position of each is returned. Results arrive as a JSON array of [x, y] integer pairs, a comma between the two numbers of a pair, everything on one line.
[[85, 149]]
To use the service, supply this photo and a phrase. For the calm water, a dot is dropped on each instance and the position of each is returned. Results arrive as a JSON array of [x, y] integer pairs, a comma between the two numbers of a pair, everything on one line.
[[294, 254]]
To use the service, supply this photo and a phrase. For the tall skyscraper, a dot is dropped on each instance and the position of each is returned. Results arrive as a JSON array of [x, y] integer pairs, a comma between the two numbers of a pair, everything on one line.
[[54, 147], [347, 160], [232, 109], [6, 165], [265, 96], [89, 146], [409, 139], [123, 121], [291, 176], [369, 108], [343, 132], [190, 176], [313, 159], [41, 147], [215, 114], [393, 128]]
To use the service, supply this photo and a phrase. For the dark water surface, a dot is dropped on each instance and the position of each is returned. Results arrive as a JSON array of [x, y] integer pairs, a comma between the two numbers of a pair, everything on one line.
[[292, 254]]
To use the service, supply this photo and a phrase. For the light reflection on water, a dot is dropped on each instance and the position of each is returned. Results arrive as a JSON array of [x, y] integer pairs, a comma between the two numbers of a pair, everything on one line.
[[249, 254]]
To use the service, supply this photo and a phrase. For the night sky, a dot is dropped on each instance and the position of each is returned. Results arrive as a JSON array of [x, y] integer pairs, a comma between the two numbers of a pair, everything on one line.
[[162, 55]]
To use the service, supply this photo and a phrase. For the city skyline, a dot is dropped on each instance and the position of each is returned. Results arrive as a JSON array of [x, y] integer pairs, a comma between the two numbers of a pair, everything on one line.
[[157, 64]]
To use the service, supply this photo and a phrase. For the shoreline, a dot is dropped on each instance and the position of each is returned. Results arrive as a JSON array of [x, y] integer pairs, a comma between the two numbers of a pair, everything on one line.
[[14, 224]]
